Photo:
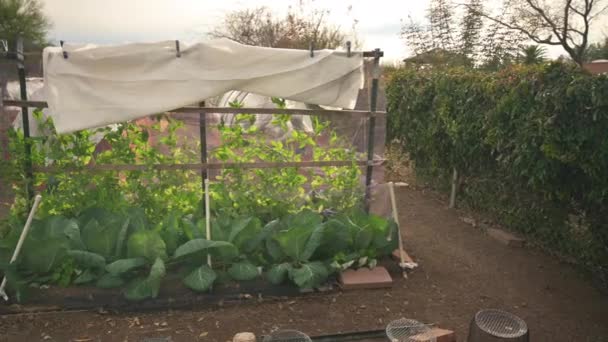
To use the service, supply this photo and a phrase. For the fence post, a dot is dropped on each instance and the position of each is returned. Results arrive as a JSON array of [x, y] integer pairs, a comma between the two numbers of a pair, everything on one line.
[[202, 122], [25, 117], [453, 193]]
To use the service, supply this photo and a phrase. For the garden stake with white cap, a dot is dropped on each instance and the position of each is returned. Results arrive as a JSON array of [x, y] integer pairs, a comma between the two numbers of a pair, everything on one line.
[[22, 237], [402, 262]]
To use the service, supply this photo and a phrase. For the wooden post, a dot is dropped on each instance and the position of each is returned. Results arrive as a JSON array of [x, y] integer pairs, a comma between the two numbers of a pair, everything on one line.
[[454, 183], [372, 125]]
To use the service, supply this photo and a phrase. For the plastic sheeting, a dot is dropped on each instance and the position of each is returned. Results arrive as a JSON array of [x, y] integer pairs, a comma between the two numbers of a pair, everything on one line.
[[96, 86]]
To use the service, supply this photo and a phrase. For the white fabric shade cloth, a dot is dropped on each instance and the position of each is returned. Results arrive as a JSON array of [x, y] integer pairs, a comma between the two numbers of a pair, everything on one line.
[[96, 86]]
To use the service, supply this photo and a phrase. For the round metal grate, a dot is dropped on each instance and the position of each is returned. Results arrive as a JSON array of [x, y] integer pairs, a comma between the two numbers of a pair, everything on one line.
[[287, 336], [500, 323], [408, 330]]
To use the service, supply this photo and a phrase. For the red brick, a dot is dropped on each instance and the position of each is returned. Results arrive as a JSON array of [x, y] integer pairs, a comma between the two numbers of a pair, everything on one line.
[[365, 278], [406, 257]]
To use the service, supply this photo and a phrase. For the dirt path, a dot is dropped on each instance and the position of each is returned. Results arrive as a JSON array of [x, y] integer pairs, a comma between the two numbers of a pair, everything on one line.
[[462, 270]]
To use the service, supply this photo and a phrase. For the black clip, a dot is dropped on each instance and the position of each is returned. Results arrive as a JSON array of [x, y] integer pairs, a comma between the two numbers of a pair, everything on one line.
[[310, 47], [348, 45], [65, 53], [178, 53]]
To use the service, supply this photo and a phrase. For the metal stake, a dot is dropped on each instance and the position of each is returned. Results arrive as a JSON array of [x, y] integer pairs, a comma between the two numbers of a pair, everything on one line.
[[22, 237], [203, 137], [207, 219]]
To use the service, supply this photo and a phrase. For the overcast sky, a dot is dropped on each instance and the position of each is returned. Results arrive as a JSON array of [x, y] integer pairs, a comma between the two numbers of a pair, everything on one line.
[[121, 21]]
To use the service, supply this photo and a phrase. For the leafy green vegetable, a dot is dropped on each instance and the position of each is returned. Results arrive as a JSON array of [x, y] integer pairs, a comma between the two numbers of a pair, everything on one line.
[[148, 287], [100, 239], [198, 247], [200, 279], [125, 265], [309, 275], [42, 256], [146, 244], [278, 273], [109, 281], [87, 260], [243, 271], [86, 276]]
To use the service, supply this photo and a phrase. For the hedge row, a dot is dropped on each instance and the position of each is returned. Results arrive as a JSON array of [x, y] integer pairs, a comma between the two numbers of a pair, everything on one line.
[[530, 144]]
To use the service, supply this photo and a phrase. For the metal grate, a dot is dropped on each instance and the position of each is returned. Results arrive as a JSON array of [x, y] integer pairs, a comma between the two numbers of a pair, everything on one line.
[[287, 336], [408, 330], [500, 323]]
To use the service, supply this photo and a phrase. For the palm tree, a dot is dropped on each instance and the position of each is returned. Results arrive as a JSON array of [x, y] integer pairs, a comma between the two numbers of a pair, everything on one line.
[[532, 54]]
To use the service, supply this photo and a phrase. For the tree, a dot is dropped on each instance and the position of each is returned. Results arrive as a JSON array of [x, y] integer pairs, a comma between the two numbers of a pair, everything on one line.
[[23, 18], [532, 54], [297, 29], [471, 30], [597, 51], [566, 23], [465, 37]]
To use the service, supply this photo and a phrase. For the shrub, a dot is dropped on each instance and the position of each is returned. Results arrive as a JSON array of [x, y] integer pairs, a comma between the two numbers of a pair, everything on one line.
[[529, 143]]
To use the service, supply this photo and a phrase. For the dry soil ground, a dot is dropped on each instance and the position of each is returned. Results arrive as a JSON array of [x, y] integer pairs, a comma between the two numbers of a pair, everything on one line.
[[461, 271]]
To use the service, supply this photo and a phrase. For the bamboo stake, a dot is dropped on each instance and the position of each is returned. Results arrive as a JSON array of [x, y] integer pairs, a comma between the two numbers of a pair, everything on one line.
[[22, 237], [453, 193], [207, 218]]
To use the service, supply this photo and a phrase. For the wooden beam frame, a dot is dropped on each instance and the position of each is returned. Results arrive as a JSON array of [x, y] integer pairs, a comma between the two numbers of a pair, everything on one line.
[[204, 166], [227, 110]]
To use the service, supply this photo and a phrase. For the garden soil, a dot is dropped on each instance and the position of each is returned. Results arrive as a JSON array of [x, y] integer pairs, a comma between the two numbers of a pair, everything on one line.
[[462, 270]]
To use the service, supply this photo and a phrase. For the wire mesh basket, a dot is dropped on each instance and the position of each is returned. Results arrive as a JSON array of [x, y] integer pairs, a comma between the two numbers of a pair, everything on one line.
[[496, 325], [408, 330], [287, 336]]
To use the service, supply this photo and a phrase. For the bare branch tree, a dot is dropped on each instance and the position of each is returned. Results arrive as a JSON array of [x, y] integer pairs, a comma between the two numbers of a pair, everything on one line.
[[566, 24], [296, 30]]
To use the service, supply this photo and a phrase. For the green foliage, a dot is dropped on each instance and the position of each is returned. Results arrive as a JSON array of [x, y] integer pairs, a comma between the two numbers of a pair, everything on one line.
[[278, 273], [529, 144], [299, 236], [148, 287], [146, 244], [200, 279], [299, 247], [87, 260], [121, 266], [100, 239], [309, 275], [243, 270], [276, 192]]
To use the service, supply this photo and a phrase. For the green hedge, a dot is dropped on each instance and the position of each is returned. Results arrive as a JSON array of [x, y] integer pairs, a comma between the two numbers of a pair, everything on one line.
[[530, 144]]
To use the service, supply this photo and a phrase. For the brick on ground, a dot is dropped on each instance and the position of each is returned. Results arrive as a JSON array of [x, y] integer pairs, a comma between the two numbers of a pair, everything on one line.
[[506, 238], [365, 278]]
